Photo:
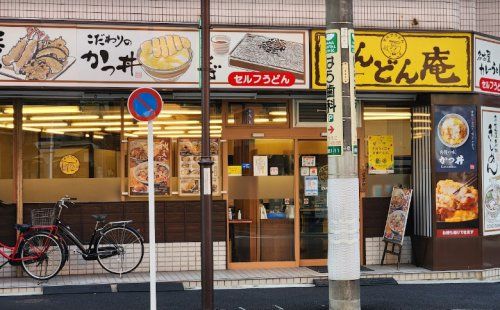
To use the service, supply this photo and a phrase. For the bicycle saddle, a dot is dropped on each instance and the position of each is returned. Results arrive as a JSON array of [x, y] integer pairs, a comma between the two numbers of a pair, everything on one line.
[[99, 217], [22, 227]]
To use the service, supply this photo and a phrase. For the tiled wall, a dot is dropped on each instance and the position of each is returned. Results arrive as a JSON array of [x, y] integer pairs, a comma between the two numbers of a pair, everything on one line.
[[180, 256], [375, 247], [468, 15]]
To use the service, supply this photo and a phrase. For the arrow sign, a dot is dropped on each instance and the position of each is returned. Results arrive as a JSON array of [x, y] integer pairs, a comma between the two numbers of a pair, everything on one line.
[[330, 129]]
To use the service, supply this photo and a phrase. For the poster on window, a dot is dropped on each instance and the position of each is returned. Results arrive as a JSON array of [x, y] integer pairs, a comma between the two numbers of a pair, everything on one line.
[[380, 154], [189, 169], [490, 155], [260, 164], [311, 185], [455, 138], [397, 215], [138, 167]]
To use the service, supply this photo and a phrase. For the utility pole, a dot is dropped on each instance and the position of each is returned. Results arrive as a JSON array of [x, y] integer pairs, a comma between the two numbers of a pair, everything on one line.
[[207, 263], [343, 186]]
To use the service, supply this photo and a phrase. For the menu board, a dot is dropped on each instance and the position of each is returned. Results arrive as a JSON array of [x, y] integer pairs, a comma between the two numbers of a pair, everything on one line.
[[456, 183], [138, 167], [189, 169], [490, 170], [397, 216], [487, 65], [380, 155]]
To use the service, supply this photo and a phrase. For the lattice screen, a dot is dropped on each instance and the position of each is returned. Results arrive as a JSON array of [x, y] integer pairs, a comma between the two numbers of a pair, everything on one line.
[[479, 15]]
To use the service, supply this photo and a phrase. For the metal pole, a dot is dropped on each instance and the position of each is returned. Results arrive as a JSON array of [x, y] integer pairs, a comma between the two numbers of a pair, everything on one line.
[[152, 234], [207, 264], [343, 186]]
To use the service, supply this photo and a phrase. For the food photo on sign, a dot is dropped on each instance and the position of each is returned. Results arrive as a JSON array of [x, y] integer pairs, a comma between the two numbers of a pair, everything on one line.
[[259, 59], [397, 215], [138, 167], [456, 176]]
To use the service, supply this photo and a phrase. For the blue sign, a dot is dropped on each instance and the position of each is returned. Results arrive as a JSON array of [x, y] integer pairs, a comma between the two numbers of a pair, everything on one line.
[[144, 104]]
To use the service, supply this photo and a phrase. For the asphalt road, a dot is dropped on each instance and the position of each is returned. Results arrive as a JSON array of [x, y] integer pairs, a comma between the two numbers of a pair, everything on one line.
[[430, 296]]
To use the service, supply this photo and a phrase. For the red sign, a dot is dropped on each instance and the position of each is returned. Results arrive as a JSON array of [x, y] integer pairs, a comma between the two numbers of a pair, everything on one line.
[[457, 233], [144, 104], [269, 79], [490, 85], [330, 129]]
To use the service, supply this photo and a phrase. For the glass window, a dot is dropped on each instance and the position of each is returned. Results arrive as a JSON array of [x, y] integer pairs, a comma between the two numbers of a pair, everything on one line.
[[6, 153], [393, 122], [261, 200], [252, 113]]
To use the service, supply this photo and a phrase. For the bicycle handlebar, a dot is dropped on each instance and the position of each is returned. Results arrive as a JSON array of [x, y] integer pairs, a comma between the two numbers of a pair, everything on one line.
[[66, 199]]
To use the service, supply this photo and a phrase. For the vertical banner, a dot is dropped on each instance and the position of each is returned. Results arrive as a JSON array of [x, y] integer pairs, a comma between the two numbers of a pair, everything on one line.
[[354, 125], [335, 134], [380, 155], [456, 177], [486, 65], [490, 156]]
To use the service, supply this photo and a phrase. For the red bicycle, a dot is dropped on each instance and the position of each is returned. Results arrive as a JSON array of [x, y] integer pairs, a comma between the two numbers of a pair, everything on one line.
[[37, 249]]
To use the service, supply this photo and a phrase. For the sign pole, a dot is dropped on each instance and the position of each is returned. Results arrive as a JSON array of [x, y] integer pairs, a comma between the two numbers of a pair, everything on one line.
[[343, 183], [152, 234]]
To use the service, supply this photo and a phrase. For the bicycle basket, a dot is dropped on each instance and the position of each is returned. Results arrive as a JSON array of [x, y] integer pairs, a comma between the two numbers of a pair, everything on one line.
[[42, 217]]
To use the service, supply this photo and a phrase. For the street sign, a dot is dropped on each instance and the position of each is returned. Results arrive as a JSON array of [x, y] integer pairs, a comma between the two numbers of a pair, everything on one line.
[[144, 104]]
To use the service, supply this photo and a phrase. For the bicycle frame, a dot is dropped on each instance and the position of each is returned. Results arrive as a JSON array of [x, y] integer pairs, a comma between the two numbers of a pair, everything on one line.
[[11, 258]]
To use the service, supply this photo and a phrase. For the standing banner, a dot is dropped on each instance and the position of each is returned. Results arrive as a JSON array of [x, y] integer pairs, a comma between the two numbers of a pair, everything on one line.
[[490, 155], [486, 65], [397, 215], [456, 176], [380, 155]]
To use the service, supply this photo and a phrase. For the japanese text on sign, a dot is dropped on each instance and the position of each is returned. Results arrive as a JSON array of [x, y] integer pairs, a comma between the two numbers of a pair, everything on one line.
[[486, 65]]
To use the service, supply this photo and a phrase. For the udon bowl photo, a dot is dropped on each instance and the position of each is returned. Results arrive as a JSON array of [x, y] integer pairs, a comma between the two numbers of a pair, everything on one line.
[[161, 170], [453, 130]]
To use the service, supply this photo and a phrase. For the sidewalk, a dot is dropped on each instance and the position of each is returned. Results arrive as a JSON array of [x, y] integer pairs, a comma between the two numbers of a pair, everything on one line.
[[247, 278]]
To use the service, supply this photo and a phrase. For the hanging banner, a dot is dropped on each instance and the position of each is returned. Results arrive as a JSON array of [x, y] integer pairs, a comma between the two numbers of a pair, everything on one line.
[[486, 65], [138, 167], [189, 169], [490, 155], [380, 155], [397, 215], [404, 61]]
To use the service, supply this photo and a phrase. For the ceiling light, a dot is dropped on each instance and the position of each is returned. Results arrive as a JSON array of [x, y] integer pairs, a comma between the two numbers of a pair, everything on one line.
[[261, 120], [160, 132], [407, 114], [277, 113], [9, 126], [75, 129], [83, 124], [98, 137], [130, 128], [421, 121], [131, 135], [280, 120], [52, 124], [181, 112], [199, 132], [230, 121], [63, 117], [113, 117], [384, 118], [32, 129], [46, 110], [422, 128], [215, 121], [6, 119], [422, 114]]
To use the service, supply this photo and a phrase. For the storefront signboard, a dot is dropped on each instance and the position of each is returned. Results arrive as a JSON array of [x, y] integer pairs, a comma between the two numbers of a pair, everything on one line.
[[397, 215], [486, 65], [138, 167], [333, 71], [69, 165], [402, 61], [380, 154], [95, 56], [259, 58], [456, 176], [189, 169], [490, 155]]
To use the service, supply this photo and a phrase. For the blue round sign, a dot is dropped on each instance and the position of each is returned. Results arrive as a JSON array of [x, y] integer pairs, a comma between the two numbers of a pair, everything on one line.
[[144, 104]]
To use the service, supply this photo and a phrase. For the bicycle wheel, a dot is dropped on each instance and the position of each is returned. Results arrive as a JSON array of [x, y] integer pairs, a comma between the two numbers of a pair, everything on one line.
[[120, 249], [42, 256]]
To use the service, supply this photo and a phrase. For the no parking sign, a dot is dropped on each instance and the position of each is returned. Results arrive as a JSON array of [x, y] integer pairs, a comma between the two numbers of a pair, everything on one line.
[[144, 104]]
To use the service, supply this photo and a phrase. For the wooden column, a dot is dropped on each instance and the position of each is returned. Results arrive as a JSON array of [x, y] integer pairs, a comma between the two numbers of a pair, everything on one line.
[[18, 161]]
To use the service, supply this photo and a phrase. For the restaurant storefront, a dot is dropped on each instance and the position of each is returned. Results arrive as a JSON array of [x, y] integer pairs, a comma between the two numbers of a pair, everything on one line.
[[64, 130]]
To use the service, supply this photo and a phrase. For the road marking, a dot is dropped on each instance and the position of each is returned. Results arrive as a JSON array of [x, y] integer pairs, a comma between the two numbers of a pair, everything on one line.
[[241, 308], [278, 307]]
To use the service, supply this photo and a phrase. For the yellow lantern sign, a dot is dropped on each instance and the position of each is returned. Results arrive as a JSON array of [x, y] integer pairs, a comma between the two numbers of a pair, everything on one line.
[[402, 61], [69, 164]]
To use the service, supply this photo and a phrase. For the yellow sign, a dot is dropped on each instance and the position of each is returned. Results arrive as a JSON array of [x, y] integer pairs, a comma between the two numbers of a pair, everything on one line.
[[380, 155], [69, 164], [404, 61], [234, 170]]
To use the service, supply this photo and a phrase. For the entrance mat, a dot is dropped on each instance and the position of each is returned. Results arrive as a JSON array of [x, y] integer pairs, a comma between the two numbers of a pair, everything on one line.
[[324, 269], [362, 282], [144, 287], [76, 289]]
